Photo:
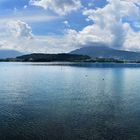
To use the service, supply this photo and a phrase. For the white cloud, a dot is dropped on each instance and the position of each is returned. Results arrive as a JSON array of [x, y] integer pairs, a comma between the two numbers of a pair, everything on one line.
[[61, 7], [132, 39], [18, 36], [19, 29], [25, 6], [28, 18], [90, 4], [66, 23], [108, 25]]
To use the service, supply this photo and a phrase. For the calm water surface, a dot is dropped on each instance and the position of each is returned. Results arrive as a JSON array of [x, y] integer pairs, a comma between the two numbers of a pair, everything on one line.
[[69, 101]]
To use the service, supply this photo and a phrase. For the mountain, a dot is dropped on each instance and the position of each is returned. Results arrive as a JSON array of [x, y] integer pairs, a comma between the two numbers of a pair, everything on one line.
[[103, 51], [9, 54]]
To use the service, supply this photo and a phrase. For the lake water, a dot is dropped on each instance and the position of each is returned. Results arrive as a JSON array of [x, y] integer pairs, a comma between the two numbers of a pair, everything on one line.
[[68, 101]]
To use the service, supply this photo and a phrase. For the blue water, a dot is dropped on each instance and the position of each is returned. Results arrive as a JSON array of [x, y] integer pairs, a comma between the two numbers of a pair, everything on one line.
[[69, 101]]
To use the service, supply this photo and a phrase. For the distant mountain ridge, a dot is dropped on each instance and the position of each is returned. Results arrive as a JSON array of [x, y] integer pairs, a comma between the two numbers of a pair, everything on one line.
[[9, 54], [102, 51]]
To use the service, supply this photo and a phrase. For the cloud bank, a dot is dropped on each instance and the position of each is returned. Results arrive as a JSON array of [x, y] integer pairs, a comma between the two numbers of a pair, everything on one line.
[[108, 25], [18, 36]]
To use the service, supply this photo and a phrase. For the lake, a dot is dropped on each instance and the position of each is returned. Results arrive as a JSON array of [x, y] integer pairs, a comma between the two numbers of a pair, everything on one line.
[[69, 101]]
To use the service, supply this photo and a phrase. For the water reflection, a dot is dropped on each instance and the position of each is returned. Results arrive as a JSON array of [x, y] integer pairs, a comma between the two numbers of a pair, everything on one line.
[[70, 102]]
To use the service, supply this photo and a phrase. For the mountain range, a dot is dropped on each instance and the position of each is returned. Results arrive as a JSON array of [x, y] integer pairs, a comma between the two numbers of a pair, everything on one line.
[[103, 51], [93, 51]]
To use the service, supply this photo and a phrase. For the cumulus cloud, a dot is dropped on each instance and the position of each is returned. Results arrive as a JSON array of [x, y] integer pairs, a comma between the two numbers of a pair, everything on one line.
[[132, 39], [20, 29], [109, 26], [18, 36], [61, 7]]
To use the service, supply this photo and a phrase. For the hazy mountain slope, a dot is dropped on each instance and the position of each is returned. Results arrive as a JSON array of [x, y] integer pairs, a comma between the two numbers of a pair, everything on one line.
[[9, 54], [106, 52]]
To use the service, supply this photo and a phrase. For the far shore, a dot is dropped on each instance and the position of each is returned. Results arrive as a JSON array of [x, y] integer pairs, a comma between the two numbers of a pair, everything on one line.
[[64, 57]]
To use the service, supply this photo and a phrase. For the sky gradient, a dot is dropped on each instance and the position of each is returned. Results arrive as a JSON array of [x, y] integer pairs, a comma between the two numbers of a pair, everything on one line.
[[54, 26]]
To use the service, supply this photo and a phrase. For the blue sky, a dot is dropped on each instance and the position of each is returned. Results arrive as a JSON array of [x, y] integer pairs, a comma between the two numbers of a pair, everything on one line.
[[13, 8], [48, 22]]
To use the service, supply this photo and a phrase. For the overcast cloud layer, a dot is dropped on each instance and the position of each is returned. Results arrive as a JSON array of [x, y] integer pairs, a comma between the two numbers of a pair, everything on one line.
[[117, 24]]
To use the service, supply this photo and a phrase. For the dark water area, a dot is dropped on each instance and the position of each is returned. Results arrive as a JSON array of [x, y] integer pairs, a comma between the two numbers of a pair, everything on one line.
[[69, 101]]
